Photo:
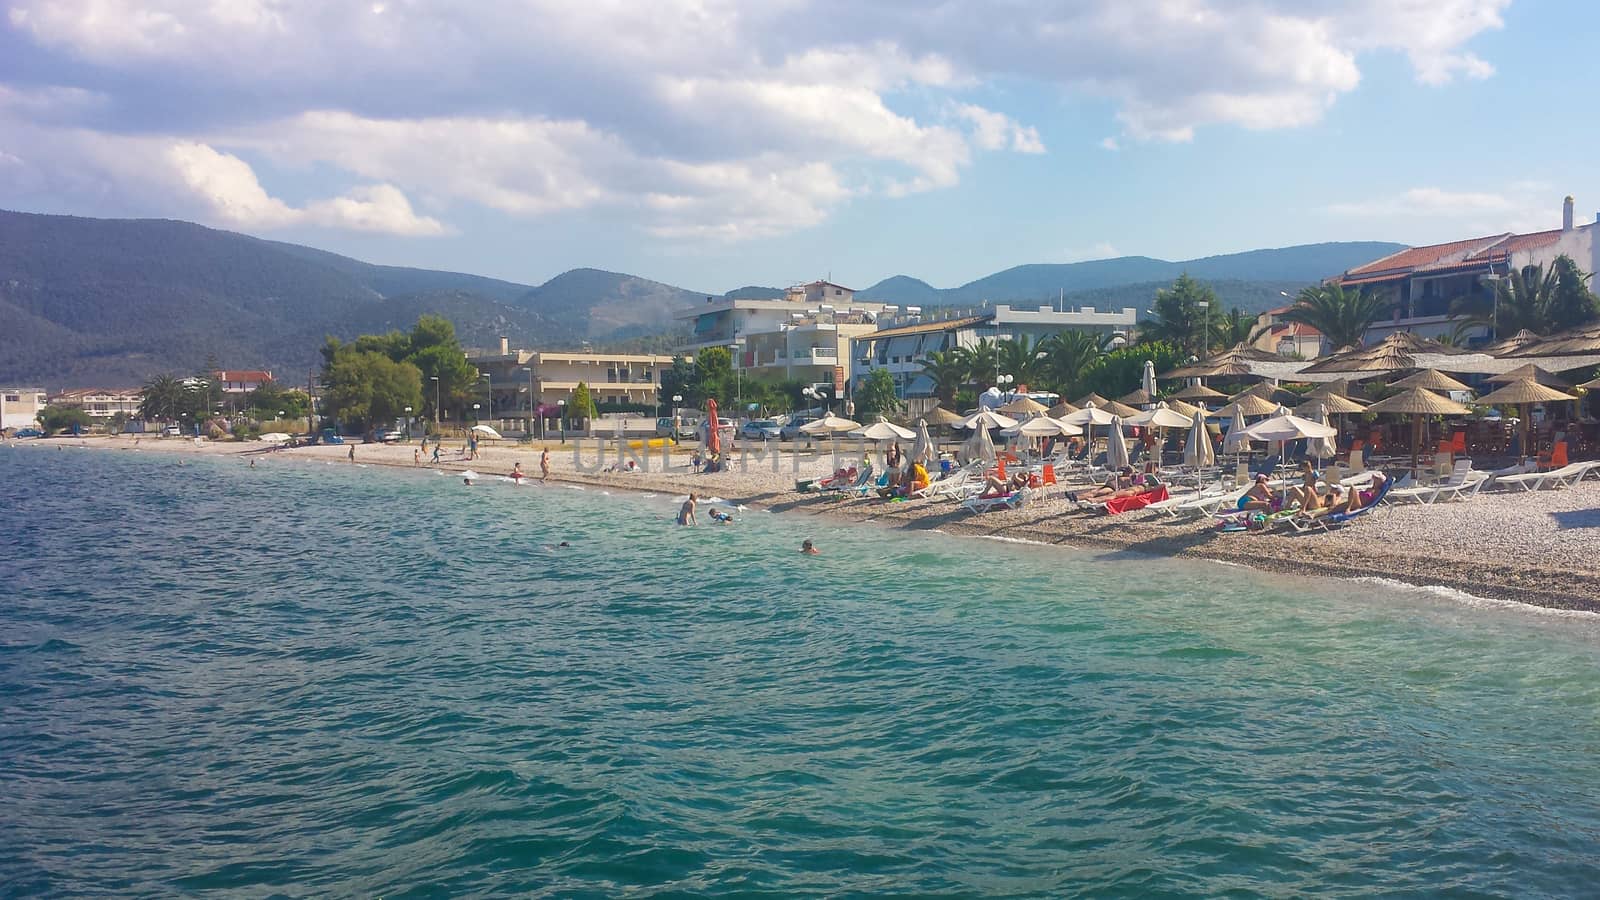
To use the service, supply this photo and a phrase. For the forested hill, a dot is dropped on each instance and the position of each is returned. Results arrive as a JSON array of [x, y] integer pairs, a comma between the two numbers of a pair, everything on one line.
[[111, 301]]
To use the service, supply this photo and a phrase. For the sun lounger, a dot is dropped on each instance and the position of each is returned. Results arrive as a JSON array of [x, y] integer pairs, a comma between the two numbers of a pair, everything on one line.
[[1556, 479], [1013, 500], [1118, 505], [1428, 493], [863, 476], [1304, 524]]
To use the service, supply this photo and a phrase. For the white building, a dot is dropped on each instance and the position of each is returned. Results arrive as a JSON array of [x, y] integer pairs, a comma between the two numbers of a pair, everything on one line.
[[523, 382], [19, 407], [1425, 281], [724, 321], [241, 381], [101, 403]]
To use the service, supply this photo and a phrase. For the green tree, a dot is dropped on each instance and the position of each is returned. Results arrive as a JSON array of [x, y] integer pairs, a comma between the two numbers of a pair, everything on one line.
[[1181, 320], [268, 400], [678, 380], [162, 398], [982, 362], [947, 369], [1572, 303], [1342, 316], [580, 408], [435, 350], [1069, 355], [62, 418], [1020, 357], [1237, 327], [1120, 371], [876, 396], [713, 377], [364, 389]]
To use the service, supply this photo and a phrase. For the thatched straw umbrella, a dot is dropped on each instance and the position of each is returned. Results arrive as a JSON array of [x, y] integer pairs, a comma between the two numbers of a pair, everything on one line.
[[1532, 372], [1121, 410], [1060, 409], [1334, 404], [1247, 404], [1581, 341], [941, 416], [1024, 406], [1197, 392], [1431, 380], [1340, 388], [1418, 403], [1182, 408], [1518, 341], [1139, 397], [1524, 393], [1233, 362], [1270, 393], [1087, 399], [1395, 353]]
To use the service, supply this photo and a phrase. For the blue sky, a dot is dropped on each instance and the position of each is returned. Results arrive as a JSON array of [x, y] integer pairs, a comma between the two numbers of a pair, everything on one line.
[[712, 144]]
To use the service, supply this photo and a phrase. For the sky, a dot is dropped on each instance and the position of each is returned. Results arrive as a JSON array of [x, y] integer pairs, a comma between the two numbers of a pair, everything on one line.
[[714, 144]]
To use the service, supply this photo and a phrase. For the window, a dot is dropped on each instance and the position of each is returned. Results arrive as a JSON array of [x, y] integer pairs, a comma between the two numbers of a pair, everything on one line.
[[13, 398]]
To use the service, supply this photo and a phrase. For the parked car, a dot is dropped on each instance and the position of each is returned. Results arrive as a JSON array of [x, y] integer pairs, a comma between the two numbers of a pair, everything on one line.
[[760, 430], [329, 436], [29, 432], [791, 429], [388, 436], [172, 431], [688, 429]]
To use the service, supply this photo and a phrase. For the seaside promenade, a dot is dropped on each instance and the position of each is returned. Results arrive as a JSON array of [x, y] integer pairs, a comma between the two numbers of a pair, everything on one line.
[[1540, 548]]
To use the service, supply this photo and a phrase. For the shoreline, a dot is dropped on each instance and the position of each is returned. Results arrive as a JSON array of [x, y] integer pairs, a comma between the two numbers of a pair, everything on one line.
[[1401, 552]]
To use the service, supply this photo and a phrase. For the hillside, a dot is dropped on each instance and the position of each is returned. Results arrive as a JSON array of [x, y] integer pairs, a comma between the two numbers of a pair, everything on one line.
[[110, 302], [1042, 283]]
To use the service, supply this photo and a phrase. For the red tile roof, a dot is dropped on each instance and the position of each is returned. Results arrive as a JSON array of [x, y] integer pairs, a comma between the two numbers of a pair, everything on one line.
[[1516, 244], [1413, 258]]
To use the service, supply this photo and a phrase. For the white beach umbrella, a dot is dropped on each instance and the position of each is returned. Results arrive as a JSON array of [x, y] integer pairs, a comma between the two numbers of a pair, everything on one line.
[[1321, 448], [829, 424], [1043, 426], [884, 430], [273, 437], [1198, 452], [1160, 416], [922, 448], [1149, 380], [979, 446], [985, 419], [1286, 427], [1116, 445], [486, 431], [1235, 441], [1089, 416]]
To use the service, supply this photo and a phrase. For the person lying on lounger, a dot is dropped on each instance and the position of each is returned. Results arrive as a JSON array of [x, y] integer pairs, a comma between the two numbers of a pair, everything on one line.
[[994, 486], [1123, 484], [1348, 501]]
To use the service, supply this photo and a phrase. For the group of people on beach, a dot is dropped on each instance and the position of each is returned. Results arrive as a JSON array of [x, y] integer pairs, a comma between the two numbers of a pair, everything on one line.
[[691, 503]]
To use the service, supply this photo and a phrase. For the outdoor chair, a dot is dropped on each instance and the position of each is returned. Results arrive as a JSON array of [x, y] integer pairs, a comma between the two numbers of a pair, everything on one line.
[[1013, 500], [1304, 525]]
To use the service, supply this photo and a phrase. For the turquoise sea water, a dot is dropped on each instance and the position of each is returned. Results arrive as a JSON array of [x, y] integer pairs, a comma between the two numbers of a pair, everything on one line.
[[306, 680]]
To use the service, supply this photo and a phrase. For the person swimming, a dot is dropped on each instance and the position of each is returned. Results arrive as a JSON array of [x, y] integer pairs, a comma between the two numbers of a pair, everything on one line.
[[721, 517], [808, 548]]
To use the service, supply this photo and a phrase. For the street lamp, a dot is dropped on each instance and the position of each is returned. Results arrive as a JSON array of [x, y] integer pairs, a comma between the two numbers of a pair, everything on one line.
[[738, 372], [1205, 326], [489, 393], [475, 408], [817, 394], [435, 380], [529, 370], [408, 424], [1001, 381], [561, 410]]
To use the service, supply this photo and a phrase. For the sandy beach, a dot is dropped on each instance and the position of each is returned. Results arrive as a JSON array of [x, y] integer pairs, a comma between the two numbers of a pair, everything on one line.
[[1538, 548]]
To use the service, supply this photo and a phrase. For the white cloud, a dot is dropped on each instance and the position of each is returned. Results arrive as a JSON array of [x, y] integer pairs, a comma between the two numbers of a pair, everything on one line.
[[1110, 143], [1436, 214], [1427, 201], [539, 107]]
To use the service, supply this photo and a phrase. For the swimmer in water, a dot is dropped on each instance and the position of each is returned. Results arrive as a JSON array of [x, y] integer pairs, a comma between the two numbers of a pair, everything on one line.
[[516, 472], [252, 464], [808, 548], [467, 481], [721, 518]]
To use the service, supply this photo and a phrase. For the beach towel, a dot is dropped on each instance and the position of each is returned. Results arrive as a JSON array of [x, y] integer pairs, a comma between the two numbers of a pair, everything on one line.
[[1118, 505]]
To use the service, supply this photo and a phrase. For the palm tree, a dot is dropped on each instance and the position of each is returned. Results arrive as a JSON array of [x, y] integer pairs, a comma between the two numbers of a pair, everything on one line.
[[948, 372], [982, 361], [162, 398], [1069, 355], [1342, 316], [1019, 358], [1532, 298], [1238, 327]]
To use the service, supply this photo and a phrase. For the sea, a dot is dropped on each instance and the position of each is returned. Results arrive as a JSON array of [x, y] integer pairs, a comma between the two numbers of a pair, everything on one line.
[[329, 680]]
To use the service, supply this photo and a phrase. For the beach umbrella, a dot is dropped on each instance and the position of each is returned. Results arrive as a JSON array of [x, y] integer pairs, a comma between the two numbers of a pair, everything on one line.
[[1521, 339], [1148, 382], [1247, 404], [1160, 416], [1431, 380], [1534, 373], [1188, 410], [1419, 403], [1395, 353], [713, 429], [979, 446], [1286, 426], [884, 430], [922, 447], [1324, 447], [1116, 445], [1197, 392], [1138, 397], [985, 419], [1088, 417], [1332, 404], [1198, 452], [1236, 442], [1581, 341], [1340, 388], [1268, 392], [1043, 426], [1521, 394], [1060, 409], [1118, 408], [829, 424], [1231, 363], [1023, 406], [486, 431], [941, 416]]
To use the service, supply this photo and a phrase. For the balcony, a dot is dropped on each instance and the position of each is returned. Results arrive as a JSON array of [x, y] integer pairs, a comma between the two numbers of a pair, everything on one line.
[[816, 356]]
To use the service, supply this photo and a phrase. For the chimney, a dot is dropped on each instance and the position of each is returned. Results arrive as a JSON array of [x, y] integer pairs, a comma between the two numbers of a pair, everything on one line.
[[505, 343], [1566, 214]]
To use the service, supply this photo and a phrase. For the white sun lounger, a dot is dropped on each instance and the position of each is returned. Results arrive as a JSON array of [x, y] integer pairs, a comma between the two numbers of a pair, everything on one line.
[[1556, 479], [1013, 500]]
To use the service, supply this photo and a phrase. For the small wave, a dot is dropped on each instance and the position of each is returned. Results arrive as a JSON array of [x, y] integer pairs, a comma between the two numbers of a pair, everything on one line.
[[1476, 602], [1006, 539]]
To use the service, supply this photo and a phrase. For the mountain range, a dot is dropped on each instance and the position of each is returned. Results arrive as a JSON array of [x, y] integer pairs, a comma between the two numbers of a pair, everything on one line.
[[107, 302]]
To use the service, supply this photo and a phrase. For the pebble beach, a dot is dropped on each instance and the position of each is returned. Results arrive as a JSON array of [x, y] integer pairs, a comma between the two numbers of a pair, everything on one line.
[[1539, 548]]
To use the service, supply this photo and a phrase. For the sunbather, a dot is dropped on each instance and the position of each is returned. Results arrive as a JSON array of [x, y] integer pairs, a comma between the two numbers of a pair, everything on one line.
[[1348, 501], [1259, 497], [994, 486], [1120, 481]]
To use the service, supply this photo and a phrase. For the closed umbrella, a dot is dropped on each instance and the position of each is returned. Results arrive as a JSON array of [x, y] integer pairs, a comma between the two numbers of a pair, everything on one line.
[[1418, 403], [1149, 380], [713, 429], [922, 447], [1324, 447], [979, 446], [1116, 445], [1198, 452], [1236, 442]]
